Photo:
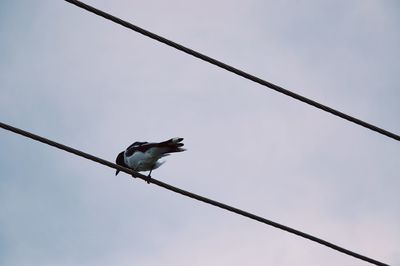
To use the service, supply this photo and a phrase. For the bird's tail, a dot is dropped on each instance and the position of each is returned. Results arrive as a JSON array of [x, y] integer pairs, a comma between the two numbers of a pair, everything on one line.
[[173, 145]]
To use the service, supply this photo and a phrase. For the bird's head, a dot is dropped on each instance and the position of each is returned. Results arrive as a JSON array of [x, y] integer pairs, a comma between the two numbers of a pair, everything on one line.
[[120, 161]]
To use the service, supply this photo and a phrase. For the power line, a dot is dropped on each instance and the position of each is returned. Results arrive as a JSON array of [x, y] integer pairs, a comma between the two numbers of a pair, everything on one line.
[[189, 194], [234, 70]]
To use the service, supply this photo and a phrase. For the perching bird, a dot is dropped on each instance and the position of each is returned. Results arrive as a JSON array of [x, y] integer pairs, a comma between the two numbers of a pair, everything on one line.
[[144, 156]]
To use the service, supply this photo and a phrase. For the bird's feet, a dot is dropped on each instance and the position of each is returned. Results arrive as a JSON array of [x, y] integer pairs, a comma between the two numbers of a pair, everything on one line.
[[149, 176], [148, 180]]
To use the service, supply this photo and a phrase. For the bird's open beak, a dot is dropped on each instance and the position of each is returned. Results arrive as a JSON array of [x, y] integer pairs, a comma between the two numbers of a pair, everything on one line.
[[116, 173]]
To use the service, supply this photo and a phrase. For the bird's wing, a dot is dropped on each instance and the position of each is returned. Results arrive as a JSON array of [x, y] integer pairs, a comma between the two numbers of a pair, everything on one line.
[[139, 146], [171, 145]]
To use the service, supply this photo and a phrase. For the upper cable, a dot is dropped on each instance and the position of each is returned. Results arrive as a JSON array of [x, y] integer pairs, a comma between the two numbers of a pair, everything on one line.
[[235, 70]]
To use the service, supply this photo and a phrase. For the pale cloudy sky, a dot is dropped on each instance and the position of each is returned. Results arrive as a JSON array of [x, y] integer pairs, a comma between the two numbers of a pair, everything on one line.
[[78, 79]]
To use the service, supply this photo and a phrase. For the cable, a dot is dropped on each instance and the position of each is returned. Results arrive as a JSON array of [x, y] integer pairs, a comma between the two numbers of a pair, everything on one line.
[[189, 194], [234, 70]]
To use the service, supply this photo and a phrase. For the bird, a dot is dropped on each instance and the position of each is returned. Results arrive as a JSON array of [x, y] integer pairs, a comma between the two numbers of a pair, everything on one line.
[[144, 156]]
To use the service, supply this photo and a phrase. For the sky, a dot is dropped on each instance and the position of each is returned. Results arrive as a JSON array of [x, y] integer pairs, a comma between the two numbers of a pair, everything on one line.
[[81, 80]]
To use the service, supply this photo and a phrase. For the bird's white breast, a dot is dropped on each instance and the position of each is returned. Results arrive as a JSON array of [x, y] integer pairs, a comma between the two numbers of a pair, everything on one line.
[[140, 161]]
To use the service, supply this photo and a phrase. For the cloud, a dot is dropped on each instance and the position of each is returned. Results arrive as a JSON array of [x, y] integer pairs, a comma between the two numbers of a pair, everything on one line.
[[95, 86]]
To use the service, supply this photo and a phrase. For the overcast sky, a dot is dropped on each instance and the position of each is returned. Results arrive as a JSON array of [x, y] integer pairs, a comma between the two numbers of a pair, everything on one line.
[[79, 79]]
